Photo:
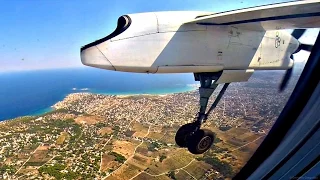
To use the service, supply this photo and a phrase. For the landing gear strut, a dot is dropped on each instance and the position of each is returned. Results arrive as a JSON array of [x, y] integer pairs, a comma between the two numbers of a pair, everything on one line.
[[190, 135]]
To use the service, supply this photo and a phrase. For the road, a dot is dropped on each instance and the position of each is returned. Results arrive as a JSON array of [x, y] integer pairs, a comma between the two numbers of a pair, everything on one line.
[[142, 141], [27, 159], [247, 143], [102, 152], [182, 168], [189, 174], [135, 118], [134, 152]]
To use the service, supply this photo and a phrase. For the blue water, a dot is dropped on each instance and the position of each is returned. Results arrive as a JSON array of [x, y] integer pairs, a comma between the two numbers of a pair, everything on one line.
[[34, 92]]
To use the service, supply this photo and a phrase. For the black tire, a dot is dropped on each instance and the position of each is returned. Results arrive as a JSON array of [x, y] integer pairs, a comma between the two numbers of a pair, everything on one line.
[[182, 134], [200, 141]]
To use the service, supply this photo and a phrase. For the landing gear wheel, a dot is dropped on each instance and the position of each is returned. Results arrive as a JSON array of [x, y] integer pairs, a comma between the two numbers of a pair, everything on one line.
[[200, 141], [182, 134]]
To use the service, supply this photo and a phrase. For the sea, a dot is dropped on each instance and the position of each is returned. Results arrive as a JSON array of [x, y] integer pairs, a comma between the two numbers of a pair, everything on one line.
[[34, 92]]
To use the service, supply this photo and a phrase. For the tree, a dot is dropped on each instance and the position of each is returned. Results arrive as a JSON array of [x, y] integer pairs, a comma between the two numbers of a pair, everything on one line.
[[118, 157], [162, 157], [53, 170], [7, 168], [100, 125], [172, 175], [223, 167]]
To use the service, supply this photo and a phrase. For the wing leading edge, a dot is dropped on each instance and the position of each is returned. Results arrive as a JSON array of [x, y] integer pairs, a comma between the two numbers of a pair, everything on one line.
[[291, 15]]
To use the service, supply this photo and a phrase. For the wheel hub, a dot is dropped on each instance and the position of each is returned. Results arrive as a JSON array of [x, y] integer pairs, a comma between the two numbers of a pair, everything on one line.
[[204, 143]]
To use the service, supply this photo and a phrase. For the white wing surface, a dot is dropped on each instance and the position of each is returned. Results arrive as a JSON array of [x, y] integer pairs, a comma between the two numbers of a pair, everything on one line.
[[291, 15]]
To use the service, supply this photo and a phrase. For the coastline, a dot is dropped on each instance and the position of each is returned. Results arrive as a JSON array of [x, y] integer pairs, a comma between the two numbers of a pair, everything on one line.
[[41, 111], [160, 92], [155, 92]]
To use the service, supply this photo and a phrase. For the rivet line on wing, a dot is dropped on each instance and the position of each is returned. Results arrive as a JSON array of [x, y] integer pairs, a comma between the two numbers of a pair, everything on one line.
[[106, 58]]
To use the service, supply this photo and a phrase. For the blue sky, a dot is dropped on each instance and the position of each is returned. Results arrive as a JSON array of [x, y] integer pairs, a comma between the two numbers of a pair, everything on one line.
[[40, 34]]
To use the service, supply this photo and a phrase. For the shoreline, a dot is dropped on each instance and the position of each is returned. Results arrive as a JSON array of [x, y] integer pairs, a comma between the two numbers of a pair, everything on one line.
[[120, 95]]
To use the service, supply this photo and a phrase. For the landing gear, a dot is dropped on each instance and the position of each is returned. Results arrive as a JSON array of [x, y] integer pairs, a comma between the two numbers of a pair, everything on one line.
[[200, 141], [183, 133], [190, 135]]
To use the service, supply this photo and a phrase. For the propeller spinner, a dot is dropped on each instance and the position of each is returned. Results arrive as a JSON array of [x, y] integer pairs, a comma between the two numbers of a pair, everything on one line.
[[297, 33]]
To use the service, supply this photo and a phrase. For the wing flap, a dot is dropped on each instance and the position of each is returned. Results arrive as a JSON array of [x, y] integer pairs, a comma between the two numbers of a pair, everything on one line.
[[292, 15]]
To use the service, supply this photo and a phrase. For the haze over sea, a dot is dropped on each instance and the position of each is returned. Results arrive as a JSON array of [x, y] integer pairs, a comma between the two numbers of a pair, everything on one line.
[[34, 92]]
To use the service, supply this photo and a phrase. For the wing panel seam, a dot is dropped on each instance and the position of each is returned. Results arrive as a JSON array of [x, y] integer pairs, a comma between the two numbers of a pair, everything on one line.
[[264, 19]]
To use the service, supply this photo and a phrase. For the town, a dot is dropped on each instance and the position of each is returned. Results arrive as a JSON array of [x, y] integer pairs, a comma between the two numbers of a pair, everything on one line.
[[95, 136]]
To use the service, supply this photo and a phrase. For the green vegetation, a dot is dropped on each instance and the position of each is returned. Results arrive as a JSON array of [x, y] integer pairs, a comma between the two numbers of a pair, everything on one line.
[[53, 170], [223, 167], [77, 131], [58, 158], [118, 157], [100, 125], [61, 139], [70, 175], [33, 146], [63, 123], [60, 124], [225, 128], [216, 140], [56, 111], [26, 119], [9, 169], [153, 145], [106, 135], [172, 175], [34, 163], [116, 128], [162, 157], [216, 149]]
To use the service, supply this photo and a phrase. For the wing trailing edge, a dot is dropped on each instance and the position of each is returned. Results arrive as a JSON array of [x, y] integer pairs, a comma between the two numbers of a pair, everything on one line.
[[291, 15]]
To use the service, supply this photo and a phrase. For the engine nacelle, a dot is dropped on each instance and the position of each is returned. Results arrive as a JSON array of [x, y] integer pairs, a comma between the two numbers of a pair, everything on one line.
[[163, 42], [141, 39], [142, 24]]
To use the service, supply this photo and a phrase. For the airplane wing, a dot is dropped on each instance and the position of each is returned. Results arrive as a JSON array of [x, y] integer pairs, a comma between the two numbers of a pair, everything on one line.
[[291, 15]]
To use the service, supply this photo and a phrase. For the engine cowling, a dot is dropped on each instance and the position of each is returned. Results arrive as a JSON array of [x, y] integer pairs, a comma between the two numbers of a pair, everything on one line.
[[157, 22], [138, 40]]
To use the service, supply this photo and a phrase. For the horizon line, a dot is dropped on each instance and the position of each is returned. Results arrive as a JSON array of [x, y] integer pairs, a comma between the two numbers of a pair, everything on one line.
[[43, 69]]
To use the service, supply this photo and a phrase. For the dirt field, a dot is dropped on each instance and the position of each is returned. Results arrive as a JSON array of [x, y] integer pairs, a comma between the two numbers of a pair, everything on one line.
[[108, 162], [178, 159], [43, 148], [140, 161], [64, 116], [175, 159], [155, 135], [197, 168], [39, 157], [143, 149], [140, 129], [105, 130], [63, 136], [144, 176], [182, 175], [235, 138], [168, 138], [87, 119], [126, 172], [124, 148], [30, 170]]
